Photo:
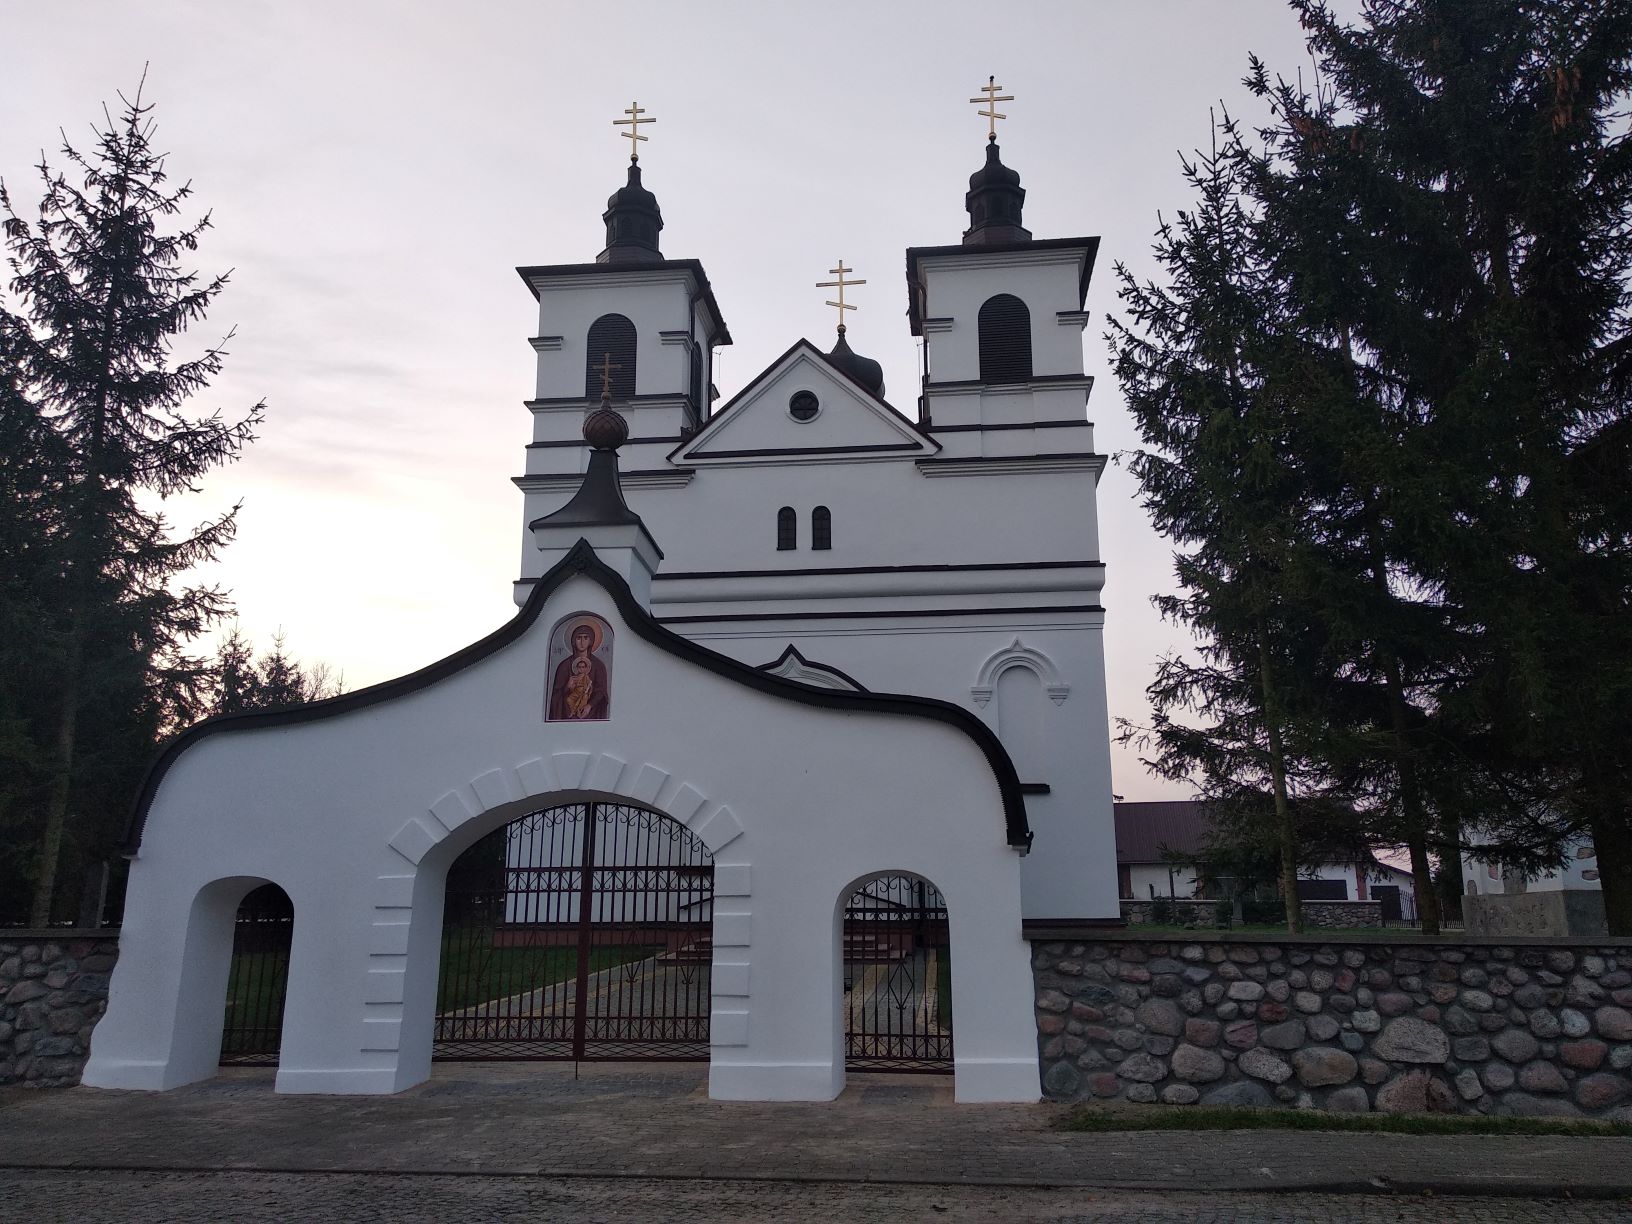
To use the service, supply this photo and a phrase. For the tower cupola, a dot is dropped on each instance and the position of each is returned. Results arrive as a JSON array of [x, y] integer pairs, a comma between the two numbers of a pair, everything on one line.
[[633, 220], [994, 202]]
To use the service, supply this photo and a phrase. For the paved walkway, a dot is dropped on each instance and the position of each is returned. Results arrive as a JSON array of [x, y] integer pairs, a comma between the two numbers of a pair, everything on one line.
[[555, 1139]]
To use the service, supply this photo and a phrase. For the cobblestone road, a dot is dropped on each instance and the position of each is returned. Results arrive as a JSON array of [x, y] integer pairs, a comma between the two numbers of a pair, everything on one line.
[[81, 1197]]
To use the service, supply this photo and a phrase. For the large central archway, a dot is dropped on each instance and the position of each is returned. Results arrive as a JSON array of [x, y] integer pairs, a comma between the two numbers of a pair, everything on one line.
[[580, 931]]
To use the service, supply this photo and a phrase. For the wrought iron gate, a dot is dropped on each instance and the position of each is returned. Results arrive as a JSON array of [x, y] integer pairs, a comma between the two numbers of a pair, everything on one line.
[[578, 932], [897, 977], [259, 976]]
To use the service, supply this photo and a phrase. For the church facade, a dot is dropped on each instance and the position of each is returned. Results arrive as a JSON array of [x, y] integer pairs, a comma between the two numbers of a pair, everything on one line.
[[811, 527], [802, 714]]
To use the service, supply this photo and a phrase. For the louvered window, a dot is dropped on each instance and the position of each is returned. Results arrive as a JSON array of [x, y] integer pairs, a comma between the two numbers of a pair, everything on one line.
[[1005, 340], [821, 528], [697, 405], [787, 529], [612, 336]]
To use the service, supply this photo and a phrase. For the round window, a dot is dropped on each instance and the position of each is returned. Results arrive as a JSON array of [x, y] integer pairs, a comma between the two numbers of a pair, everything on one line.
[[803, 406]]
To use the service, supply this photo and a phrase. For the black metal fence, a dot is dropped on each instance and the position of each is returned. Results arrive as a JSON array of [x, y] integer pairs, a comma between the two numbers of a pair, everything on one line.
[[897, 977], [258, 979], [578, 932]]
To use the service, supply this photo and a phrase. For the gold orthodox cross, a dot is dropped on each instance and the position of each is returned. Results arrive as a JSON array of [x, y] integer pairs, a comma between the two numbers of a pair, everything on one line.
[[841, 285], [634, 110], [606, 367], [992, 98]]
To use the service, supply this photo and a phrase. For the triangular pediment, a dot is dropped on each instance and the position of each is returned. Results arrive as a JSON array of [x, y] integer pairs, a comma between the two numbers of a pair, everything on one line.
[[763, 423]]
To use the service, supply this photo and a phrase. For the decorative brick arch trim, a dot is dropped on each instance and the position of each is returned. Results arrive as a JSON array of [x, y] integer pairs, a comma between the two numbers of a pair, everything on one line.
[[649, 786], [1017, 654]]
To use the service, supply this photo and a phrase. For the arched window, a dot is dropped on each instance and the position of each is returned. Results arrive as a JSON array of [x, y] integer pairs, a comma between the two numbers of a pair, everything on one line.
[[787, 529], [612, 336], [821, 528], [1005, 340]]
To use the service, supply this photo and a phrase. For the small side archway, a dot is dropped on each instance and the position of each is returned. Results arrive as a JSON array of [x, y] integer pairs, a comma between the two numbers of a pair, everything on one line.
[[1018, 654], [895, 961]]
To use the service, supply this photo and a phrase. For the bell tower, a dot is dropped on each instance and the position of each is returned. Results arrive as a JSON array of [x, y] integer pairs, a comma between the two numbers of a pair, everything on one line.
[[646, 323], [1001, 317]]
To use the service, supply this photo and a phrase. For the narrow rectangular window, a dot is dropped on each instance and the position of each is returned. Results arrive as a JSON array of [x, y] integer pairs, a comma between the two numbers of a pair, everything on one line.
[[821, 528], [787, 529]]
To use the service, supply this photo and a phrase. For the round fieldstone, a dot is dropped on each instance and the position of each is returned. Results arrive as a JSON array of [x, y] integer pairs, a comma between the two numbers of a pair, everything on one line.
[[1322, 1066], [1104, 1084], [1468, 1085], [1322, 1028], [1196, 1065], [1470, 1049], [1141, 1094], [1278, 990], [1410, 1040], [1142, 1068], [1621, 1058], [1366, 1021], [1614, 1023], [1288, 1036], [1248, 1093], [1353, 1042], [1530, 996], [1477, 1001], [1584, 1055], [1544, 1024], [1575, 1023], [1241, 1035], [1515, 1045], [1407, 1093], [1202, 1032], [1393, 1003], [1261, 1064], [1246, 991], [1160, 1016], [1180, 1094], [1227, 1011], [1271, 1012], [1306, 1001], [1602, 1090], [1541, 1077], [1498, 1077], [1062, 1082], [1352, 1099]]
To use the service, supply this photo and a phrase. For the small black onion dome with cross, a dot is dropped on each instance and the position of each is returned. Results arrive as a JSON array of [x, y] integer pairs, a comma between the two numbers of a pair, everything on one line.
[[604, 427], [864, 370], [633, 220], [994, 202]]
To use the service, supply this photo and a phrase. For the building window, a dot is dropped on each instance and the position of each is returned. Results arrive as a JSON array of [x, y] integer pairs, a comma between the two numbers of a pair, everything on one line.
[[821, 528], [612, 336], [803, 406], [787, 530], [1005, 340], [697, 404]]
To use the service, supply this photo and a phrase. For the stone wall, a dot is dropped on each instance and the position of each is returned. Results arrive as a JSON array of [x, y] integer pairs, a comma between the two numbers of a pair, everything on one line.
[[1328, 915], [53, 989], [1340, 1023]]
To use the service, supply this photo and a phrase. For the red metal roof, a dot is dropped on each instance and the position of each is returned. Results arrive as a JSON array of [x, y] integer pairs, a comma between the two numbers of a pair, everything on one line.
[[1144, 830]]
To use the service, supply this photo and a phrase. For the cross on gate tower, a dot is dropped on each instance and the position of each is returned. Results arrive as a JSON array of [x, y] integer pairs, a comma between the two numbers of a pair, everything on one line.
[[634, 110], [991, 114]]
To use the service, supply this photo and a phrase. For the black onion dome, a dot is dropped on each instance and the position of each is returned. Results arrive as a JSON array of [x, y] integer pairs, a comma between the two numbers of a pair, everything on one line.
[[605, 427], [994, 202], [633, 220], [864, 370]]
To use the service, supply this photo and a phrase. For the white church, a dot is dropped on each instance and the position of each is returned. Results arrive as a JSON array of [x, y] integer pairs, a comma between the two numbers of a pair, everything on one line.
[[800, 725]]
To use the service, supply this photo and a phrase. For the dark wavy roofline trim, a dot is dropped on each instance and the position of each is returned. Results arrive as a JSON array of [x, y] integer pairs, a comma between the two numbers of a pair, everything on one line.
[[582, 560]]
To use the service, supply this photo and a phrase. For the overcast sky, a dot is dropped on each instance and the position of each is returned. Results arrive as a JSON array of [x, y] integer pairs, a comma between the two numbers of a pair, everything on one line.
[[376, 171]]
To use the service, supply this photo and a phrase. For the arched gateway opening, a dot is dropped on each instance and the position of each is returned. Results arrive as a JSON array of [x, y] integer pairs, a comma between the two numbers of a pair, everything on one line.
[[258, 979], [897, 976], [579, 932]]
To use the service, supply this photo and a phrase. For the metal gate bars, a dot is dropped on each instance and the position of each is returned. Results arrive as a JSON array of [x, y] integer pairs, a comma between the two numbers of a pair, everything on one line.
[[897, 977], [256, 983], [578, 932]]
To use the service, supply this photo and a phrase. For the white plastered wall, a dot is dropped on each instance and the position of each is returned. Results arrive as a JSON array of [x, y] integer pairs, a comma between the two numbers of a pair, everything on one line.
[[357, 817]]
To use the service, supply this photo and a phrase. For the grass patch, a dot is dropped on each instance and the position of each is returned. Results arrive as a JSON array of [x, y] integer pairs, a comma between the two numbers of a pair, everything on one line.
[[473, 971], [1205, 1119]]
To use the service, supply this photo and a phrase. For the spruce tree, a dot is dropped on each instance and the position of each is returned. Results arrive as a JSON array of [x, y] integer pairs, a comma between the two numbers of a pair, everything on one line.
[[102, 297], [1192, 362], [1450, 209]]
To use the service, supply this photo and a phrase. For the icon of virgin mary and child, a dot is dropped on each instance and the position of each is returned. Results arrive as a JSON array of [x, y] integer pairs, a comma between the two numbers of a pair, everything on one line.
[[580, 686]]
